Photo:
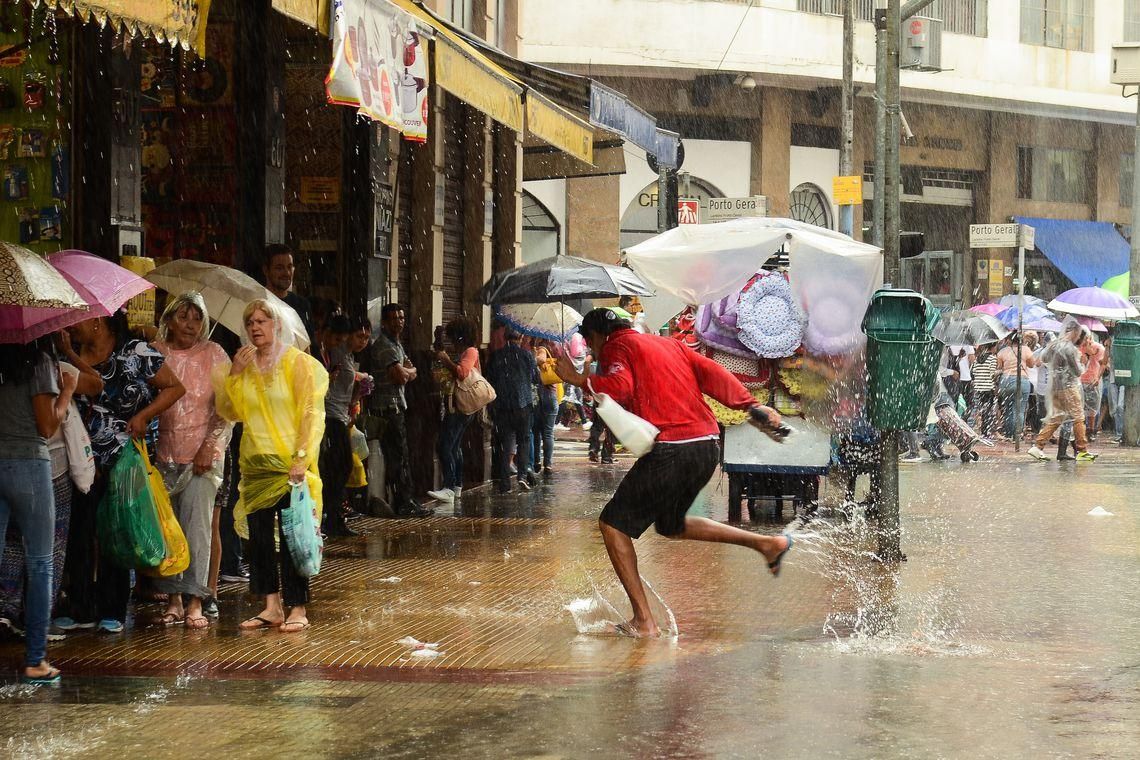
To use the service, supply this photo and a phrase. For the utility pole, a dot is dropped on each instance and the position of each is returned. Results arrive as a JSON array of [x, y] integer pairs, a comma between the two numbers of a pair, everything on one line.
[[1132, 392], [847, 107]]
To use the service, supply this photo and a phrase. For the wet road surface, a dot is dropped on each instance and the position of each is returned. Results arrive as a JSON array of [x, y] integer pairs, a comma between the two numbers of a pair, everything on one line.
[[1011, 631]]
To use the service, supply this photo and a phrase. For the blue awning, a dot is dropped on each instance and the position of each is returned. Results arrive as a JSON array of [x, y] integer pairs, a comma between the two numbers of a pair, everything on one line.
[[1088, 253]]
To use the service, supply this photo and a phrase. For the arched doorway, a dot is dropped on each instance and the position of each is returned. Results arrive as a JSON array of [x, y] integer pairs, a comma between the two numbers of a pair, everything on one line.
[[808, 203], [541, 234], [639, 221]]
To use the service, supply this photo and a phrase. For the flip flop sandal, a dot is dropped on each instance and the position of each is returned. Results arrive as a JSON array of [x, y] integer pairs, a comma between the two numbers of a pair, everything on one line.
[[293, 626], [197, 623], [168, 619], [774, 565], [51, 678], [262, 623]]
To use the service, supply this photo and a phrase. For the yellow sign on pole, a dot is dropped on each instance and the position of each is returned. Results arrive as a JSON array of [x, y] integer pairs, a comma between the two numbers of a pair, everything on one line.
[[997, 278], [847, 191]]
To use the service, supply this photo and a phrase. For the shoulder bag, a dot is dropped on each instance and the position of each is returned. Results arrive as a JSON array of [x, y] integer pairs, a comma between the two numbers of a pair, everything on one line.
[[472, 393]]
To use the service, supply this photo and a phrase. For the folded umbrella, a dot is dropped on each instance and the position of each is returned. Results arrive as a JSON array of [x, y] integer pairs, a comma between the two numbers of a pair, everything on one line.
[[552, 321], [1094, 302], [969, 328], [560, 278], [35, 299], [226, 292]]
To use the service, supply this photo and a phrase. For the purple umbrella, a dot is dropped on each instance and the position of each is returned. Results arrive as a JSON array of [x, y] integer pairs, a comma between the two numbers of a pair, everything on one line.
[[1044, 325], [1094, 302], [1093, 324]]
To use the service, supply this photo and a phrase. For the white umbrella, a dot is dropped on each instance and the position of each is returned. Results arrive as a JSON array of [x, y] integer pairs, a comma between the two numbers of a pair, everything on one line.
[[226, 292], [552, 321]]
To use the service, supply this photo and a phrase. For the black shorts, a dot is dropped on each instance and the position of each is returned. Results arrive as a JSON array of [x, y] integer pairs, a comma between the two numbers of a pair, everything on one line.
[[659, 489]]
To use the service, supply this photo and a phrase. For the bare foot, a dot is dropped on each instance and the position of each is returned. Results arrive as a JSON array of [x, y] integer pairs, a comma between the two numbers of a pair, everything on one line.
[[774, 548], [43, 670], [635, 629]]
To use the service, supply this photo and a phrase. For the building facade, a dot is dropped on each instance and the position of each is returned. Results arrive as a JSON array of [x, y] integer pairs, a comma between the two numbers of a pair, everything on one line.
[[1020, 122]]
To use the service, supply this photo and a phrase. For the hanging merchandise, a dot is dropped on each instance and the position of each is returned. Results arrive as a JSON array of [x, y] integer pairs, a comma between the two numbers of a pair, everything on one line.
[[380, 65], [716, 326], [770, 322], [35, 91], [32, 144], [15, 183], [7, 137]]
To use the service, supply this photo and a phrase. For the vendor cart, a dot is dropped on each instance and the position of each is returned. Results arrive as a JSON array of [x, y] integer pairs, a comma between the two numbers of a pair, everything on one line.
[[763, 472]]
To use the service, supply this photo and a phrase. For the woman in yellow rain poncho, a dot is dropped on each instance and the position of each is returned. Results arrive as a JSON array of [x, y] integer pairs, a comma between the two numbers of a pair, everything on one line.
[[278, 394]]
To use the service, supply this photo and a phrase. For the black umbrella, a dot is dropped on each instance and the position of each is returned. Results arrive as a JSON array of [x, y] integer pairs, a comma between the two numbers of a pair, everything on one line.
[[969, 328], [560, 278]]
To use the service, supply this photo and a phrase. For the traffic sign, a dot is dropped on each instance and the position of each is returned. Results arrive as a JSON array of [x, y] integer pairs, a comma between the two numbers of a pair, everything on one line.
[[1001, 236], [723, 209], [847, 191], [688, 211]]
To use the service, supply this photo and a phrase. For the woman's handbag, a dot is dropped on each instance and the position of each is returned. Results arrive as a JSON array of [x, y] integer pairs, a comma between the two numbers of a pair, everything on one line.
[[80, 458], [548, 375], [472, 393], [636, 434], [302, 531]]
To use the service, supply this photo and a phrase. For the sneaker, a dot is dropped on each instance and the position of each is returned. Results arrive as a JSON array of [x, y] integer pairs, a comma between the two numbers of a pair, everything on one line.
[[587, 425], [910, 459], [241, 576], [523, 485], [1037, 453], [560, 428], [592, 456], [1086, 456], [210, 607], [443, 494], [55, 633], [107, 625], [414, 510], [607, 460], [68, 624]]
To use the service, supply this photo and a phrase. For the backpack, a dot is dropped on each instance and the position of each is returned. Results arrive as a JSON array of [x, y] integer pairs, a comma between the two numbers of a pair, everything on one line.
[[472, 393]]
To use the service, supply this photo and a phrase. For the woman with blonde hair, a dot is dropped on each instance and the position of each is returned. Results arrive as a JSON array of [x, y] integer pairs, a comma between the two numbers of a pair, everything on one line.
[[192, 440], [277, 392]]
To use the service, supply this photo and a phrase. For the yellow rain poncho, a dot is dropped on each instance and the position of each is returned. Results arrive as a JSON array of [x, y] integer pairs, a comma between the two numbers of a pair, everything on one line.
[[282, 412]]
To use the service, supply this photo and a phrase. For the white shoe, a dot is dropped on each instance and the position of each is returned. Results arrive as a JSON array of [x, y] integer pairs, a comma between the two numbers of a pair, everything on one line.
[[443, 494], [587, 425], [1037, 453], [561, 428], [910, 459]]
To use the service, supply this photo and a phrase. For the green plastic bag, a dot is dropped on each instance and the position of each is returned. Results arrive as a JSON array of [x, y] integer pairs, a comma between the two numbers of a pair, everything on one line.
[[127, 524]]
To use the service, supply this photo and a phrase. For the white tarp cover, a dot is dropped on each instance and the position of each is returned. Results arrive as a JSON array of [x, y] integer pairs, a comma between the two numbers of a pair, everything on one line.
[[832, 276]]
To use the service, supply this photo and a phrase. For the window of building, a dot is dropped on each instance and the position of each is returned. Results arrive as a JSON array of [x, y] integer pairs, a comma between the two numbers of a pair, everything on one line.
[[1131, 21], [500, 40], [1127, 168], [1052, 174], [1064, 24], [463, 14], [958, 16]]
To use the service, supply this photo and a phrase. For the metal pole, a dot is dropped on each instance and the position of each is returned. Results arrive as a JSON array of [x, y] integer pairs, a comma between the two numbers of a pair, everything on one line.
[[662, 199], [913, 7], [1132, 393], [891, 226], [1020, 314], [880, 187], [847, 108]]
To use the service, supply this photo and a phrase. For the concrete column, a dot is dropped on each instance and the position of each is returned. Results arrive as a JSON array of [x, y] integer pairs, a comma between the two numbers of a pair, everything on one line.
[[507, 192], [592, 227], [775, 151], [425, 301], [480, 210]]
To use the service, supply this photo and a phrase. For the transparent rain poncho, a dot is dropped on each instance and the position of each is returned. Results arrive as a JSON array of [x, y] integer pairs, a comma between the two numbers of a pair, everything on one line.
[[282, 411]]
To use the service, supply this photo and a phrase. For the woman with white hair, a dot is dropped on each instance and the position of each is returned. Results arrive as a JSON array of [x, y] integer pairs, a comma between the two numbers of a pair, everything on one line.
[[192, 440], [277, 392]]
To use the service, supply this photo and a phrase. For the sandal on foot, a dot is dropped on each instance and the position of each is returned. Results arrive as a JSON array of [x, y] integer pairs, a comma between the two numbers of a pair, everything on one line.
[[196, 623], [293, 626], [167, 619], [51, 678], [774, 565], [258, 624]]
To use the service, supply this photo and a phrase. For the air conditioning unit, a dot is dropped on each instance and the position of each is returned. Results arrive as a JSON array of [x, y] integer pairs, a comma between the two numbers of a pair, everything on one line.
[[920, 46], [1126, 63]]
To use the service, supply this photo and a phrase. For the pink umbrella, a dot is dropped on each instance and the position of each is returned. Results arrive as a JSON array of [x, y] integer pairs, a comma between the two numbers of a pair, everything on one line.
[[1093, 324], [104, 285], [993, 309]]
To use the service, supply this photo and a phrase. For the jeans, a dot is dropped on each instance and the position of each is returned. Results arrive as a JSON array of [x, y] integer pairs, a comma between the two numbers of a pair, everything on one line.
[[1012, 419], [542, 434], [512, 429], [335, 465], [450, 448], [1116, 396], [26, 495], [12, 566], [397, 467]]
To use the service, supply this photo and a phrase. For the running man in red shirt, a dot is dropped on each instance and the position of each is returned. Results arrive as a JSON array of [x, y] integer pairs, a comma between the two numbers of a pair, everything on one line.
[[661, 381]]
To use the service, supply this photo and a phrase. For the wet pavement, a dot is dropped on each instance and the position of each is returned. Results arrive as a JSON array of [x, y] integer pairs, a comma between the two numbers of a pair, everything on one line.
[[1011, 631]]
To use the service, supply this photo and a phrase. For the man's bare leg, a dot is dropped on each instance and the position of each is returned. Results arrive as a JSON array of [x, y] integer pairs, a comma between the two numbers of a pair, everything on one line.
[[624, 559], [704, 529]]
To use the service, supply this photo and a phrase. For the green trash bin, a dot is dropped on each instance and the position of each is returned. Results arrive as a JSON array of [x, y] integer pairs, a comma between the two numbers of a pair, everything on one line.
[[902, 358], [1126, 353]]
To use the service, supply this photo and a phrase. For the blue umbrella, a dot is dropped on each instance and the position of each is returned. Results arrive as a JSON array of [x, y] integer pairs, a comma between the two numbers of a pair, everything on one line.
[[1011, 300], [1033, 313]]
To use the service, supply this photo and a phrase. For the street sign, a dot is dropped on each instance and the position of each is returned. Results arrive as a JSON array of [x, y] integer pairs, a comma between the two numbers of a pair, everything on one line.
[[847, 191], [723, 209], [983, 269], [1001, 236], [997, 278], [688, 211]]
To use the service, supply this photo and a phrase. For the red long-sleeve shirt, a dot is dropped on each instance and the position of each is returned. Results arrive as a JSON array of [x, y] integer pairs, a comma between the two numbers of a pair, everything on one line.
[[661, 381]]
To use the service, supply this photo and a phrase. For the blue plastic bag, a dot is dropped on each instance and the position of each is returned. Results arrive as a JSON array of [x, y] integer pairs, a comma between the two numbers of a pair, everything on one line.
[[302, 532]]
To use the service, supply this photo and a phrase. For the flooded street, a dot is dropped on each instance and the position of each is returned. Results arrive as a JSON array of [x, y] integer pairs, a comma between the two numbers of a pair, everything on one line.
[[1010, 631]]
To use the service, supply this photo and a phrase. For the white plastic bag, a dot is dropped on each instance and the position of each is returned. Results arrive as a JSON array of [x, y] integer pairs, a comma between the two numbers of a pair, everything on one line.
[[359, 443], [636, 434], [80, 458]]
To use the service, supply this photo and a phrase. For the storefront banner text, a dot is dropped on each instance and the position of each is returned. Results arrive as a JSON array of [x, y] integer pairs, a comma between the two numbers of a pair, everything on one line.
[[380, 65]]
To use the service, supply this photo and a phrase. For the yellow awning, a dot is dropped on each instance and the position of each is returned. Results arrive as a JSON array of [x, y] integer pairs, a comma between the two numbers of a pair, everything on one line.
[[464, 76], [557, 126], [181, 22], [311, 13]]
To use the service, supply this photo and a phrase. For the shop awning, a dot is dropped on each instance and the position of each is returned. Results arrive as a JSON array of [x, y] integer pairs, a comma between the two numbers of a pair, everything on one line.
[[474, 80], [557, 126], [1088, 253], [312, 13], [181, 22]]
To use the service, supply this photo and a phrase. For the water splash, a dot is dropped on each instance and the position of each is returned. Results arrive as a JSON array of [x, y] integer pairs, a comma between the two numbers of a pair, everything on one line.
[[596, 614]]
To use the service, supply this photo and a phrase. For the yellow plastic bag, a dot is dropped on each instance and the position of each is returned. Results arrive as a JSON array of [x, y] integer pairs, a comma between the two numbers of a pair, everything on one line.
[[357, 478], [177, 549]]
